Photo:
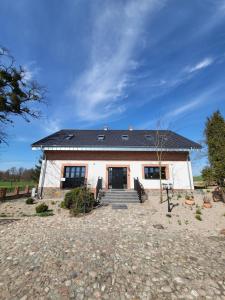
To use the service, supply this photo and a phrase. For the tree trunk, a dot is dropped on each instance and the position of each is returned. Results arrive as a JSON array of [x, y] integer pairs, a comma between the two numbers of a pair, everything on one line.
[[160, 181]]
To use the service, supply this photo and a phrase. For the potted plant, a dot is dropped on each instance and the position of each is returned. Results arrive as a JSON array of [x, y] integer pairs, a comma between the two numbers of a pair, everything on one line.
[[207, 202], [189, 199]]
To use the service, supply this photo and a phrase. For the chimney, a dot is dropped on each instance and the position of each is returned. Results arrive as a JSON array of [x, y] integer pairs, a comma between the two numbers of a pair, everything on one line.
[[106, 128]]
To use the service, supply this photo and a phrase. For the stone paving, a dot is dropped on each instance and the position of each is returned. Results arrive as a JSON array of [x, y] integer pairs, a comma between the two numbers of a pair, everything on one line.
[[109, 254]]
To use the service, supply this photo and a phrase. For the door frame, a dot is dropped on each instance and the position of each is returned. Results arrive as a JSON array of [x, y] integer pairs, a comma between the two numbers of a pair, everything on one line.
[[117, 166]]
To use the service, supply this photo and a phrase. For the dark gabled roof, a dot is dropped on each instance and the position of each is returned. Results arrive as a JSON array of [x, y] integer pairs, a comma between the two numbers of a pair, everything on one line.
[[113, 138]]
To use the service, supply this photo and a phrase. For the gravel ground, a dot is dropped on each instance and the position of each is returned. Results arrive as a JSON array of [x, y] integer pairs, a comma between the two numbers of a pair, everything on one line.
[[135, 253]]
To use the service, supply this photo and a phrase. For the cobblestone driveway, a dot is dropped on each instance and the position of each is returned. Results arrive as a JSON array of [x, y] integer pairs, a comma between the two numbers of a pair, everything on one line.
[[109, 254]]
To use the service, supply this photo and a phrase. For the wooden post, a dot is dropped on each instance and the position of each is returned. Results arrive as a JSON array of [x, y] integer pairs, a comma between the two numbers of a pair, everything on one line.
[[17, 190], [27, 189], [2, 193]]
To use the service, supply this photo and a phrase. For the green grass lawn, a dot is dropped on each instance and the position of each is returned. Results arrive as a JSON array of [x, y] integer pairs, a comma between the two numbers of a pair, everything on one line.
[[10, 185], [197, 178]]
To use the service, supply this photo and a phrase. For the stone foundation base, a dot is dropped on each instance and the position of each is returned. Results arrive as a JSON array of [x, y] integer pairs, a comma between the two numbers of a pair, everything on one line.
[[60, 193], [50, 192], [150, 192]]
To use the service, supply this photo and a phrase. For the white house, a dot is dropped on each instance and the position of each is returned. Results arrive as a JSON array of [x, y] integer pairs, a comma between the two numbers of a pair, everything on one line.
[[117, 157]]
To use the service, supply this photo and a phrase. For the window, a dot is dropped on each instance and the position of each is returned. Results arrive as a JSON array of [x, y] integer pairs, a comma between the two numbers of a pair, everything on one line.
[[125, 137], [69, 136], [149, 138], [153, 172], [74, 176], [101, 137], [74, 172], [164, 138]]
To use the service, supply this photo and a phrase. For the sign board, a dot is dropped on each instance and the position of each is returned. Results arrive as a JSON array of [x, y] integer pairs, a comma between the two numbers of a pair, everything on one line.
[[63, 179]]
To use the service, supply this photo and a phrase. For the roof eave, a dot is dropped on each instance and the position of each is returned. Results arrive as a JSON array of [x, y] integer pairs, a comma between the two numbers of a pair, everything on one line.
[[97, 148]]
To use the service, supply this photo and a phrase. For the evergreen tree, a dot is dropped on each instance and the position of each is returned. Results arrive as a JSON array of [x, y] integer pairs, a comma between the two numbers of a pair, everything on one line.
[[215, 140], [207, 175], [37, 169]]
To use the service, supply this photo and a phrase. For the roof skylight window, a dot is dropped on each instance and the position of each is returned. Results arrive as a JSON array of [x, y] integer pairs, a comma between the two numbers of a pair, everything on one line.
[[69, 137], [125, 137], [149, 138], [101, 137]]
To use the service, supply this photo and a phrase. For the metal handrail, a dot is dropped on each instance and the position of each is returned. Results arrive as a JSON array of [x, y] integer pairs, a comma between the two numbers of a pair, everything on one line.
[[98, 186], [139, 188]]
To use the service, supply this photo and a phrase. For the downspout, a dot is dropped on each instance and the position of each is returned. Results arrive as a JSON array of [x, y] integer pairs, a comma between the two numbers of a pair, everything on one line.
[[43, 171], [189, 172]]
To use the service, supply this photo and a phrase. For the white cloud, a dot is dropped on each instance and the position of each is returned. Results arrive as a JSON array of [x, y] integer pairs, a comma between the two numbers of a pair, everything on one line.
[[200, 65], [51, 126], [183, 108], [28, 74], [171, 116], [203, 98], [117, 31], [30, 71], [22, 139]]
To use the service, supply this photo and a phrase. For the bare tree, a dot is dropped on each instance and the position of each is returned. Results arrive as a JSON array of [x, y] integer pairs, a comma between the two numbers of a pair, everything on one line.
[[160, 143], [18, 95]]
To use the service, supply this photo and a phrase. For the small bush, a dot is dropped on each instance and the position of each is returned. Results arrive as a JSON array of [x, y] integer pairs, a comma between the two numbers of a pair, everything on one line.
[[72, 196], [41, 208], [3, 215], [79, 200], [62, 204], [30, 201], [198, 211], [52, 202], [198, 217], [179, 196], [179, 222], [187, 197]]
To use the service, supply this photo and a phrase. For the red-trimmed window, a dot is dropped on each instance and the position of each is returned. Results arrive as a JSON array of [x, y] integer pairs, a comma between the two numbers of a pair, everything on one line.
[[153, 172]]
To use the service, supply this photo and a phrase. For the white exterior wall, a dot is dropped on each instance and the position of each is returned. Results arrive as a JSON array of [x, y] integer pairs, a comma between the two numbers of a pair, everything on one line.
[[180, 173]]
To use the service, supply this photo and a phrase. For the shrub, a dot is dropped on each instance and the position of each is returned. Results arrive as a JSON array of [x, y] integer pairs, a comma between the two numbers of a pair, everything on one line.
[[45, 213], [62, 204], [41, 208], [198, 211], [198, 217], [52, 202], [79, 200], [179, 196], [3, 215], [30, 201], [71, 196]]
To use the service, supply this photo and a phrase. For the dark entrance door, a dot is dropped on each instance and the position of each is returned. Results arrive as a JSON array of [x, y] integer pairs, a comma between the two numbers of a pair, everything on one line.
[[118, 178]]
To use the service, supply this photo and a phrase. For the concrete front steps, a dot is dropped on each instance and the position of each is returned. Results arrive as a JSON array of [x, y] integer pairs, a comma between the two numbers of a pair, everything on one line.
[[120, 196]]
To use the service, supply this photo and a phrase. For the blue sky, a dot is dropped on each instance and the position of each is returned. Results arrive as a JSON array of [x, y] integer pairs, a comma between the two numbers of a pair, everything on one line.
[[116, 63]]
